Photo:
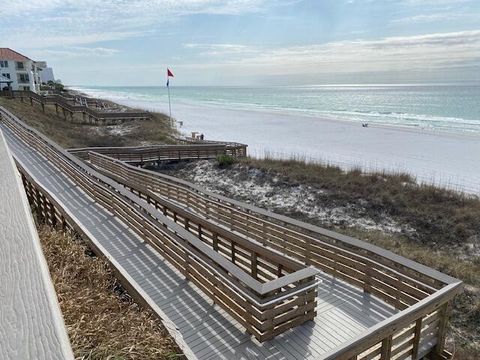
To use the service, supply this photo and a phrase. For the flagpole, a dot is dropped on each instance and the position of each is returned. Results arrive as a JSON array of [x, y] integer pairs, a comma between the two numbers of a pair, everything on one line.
[[169, 103]]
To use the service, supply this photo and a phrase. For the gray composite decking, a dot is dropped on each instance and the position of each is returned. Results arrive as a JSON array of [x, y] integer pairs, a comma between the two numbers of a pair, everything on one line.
[[31, 324], [202, 329]]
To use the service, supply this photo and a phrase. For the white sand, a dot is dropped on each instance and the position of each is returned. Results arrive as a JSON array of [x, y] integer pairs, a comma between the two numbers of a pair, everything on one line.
[[449, 160]]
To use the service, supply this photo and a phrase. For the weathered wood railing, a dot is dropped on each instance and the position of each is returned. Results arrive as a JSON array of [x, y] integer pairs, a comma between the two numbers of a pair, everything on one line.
[[396, 280], [93, 115], [156, 153], [31, 323], [232, 148], [265, 308]]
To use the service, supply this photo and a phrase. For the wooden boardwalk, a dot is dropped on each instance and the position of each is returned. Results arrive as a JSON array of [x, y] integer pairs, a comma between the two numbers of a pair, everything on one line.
[[69, 107], [251, 290], [202, 329], [31, 324]]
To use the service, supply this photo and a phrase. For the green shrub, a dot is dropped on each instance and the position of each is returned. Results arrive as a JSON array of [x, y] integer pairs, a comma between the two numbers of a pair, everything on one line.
[[225, 160]]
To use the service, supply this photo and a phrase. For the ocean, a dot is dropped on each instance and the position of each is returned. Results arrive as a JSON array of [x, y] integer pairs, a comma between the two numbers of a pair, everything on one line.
[[430, 132], [450, 108]]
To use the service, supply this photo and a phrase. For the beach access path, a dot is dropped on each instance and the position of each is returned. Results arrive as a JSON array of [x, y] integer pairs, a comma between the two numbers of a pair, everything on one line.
[[202, 329]]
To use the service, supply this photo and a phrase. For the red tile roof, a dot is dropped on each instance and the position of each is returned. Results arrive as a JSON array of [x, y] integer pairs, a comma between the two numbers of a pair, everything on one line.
[[9, 54]]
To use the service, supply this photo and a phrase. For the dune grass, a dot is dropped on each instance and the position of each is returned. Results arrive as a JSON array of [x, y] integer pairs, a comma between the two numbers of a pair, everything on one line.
[[156, 130], [439, 216], [101, 319]]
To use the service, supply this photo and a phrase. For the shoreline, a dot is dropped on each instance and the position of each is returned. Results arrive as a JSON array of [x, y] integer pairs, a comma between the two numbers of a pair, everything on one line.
[[158, 105], [433, 157]]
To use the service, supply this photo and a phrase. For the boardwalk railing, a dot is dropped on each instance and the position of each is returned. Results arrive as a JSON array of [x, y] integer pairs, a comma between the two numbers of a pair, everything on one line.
[[69, 108], [422, 294], [141, 155], [232, 148], [265, 306], [31, 325]]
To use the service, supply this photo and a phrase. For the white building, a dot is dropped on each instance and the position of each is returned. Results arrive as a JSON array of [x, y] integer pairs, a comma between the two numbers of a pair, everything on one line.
[[22, 70], [46, 73]]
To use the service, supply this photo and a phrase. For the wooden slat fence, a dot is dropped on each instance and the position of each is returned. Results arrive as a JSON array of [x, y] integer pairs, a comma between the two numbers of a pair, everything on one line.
[[156, 153], [396, 280], [233, 148], [265, 308]]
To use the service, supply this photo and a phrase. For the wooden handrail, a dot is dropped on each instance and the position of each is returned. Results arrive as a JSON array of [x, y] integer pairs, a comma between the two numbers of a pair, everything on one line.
[[147, 178], [32, 323], [64, 103], [157, 153], [233, 148]]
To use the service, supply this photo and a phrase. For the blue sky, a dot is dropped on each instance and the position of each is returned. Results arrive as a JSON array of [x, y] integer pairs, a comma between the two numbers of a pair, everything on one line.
[[248, 42]]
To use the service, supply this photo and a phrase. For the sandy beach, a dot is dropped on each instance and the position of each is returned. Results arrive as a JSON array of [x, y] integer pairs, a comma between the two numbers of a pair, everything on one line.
[[445, 159]]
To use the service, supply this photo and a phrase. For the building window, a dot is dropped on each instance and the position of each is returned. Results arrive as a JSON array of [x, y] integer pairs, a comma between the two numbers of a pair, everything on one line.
[[26, 88], [23, 78], [3, 63], [20, 65], [7, 75]]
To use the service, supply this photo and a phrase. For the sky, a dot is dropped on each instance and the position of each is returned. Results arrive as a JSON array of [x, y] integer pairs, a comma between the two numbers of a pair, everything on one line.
[[248, 42]]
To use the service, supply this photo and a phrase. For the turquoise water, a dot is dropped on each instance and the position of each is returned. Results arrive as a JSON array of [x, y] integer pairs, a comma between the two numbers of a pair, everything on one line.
[[451, 108]]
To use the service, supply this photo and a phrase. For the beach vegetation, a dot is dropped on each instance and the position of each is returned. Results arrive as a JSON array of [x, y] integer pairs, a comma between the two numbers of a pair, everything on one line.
[[225, 160], [439, 216], [102, 320]]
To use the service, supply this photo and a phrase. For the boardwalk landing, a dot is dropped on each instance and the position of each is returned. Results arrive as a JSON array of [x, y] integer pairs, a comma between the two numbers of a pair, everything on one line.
[[201, 329]]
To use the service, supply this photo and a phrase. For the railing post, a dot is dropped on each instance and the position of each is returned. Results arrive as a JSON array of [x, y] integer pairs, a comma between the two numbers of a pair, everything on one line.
[[254, 264], [386, 348], [233, 253], [442, 329], [215, 242], [416, 338]]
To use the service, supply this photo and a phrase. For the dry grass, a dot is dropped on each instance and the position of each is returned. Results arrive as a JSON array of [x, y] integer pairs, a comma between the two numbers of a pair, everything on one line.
[[439, 216], [156, 130], [102, 320]]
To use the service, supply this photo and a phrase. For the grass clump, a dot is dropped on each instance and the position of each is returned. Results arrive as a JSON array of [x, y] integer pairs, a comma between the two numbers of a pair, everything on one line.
[[225, 160], [101, 319]]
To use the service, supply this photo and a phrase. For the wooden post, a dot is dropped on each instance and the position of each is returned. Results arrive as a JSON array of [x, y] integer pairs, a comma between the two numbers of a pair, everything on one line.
[[254, 264], [442, 329], [233, 253], [279, 270], [386, 348], [215, 242], [416, 338]]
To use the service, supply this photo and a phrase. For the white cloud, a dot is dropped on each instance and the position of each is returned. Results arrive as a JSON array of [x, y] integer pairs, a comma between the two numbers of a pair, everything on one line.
[[429, 18], [48, 23], [221, 49], [392, 54], [75, 52]]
